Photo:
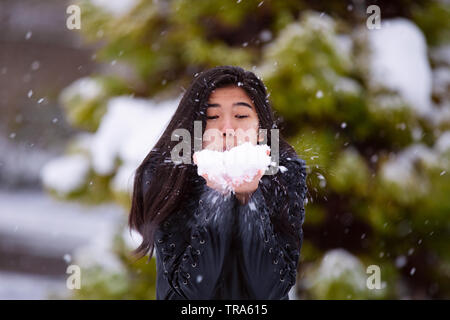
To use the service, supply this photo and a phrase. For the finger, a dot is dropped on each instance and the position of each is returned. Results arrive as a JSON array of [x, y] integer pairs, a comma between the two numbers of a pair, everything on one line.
[[260, 174]]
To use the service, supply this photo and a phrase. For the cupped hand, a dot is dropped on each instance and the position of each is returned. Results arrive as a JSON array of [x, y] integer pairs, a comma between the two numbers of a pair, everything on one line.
[[242, 190], [210, 182], [248, 185], [246, 188]]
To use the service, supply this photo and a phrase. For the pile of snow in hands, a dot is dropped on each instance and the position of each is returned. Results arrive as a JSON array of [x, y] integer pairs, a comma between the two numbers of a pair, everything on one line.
[[235, 166]]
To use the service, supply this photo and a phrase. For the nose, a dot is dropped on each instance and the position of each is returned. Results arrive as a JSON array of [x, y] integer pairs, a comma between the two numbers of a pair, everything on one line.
[[229, 132], [227, 129]]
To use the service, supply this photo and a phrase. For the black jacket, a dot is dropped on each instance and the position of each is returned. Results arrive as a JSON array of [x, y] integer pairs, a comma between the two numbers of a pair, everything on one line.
[[217, 248]]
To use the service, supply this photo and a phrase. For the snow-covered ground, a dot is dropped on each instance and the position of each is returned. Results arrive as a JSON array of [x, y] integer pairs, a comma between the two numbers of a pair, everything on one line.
[[22, 286], [41, 236]]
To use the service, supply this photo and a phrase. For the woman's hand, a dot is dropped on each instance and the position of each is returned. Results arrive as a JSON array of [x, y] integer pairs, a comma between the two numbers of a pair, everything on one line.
[[244, 190], [214, 185]]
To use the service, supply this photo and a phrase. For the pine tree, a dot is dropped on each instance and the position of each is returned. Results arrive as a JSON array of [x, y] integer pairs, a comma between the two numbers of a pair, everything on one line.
[[378, 164]]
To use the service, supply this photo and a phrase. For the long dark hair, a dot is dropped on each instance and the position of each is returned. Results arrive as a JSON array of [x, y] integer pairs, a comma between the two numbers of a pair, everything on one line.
[[171, 184]]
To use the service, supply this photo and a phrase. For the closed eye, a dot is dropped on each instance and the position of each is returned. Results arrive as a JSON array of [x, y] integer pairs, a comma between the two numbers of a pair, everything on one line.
[[237, 116]]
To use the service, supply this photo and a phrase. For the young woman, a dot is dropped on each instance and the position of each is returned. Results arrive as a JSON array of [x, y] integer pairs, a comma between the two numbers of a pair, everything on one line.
[[211, 244]]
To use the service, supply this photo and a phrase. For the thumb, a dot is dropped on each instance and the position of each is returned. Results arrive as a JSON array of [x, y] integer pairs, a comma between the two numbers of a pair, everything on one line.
[[195, 158]]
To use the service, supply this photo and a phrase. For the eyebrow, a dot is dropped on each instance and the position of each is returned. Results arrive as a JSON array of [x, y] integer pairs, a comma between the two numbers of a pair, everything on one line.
[[234, 104]]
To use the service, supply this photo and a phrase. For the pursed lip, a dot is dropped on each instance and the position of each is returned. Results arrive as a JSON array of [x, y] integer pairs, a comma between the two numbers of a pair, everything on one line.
[[224, 147]]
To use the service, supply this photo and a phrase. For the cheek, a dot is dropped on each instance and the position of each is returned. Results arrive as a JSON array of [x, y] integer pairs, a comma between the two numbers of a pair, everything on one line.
[[248, 132], [248, 124], [212, 138]]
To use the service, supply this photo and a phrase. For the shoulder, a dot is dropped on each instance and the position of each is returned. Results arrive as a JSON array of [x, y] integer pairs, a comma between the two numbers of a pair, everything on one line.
[[291, 158], [291, 166], [290, 177]]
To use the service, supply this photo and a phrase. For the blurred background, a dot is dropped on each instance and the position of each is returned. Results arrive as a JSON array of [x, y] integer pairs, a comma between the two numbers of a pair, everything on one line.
[[363, 96]]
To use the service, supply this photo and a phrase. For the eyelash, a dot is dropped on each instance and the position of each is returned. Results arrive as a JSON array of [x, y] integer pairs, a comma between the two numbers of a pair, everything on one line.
[[215, 117]]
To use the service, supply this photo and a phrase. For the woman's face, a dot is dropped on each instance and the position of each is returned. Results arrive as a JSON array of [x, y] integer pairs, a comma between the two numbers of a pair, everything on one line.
[[231, 119]]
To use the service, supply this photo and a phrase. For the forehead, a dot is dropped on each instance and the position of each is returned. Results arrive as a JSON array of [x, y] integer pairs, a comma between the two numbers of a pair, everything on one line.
[[229, 93]]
